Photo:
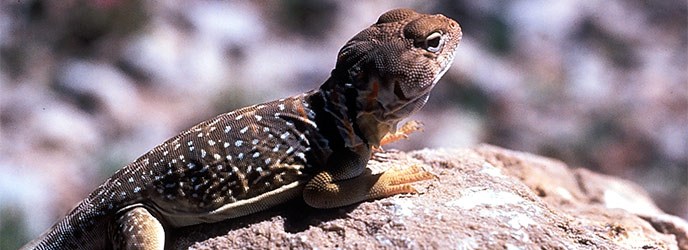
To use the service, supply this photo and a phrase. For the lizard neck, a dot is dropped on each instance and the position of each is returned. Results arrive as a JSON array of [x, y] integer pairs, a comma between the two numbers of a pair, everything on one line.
[[353, 125]]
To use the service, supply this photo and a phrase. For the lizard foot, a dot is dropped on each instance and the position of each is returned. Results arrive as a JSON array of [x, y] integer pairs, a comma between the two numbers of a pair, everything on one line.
[[323, 191], [398, 181]]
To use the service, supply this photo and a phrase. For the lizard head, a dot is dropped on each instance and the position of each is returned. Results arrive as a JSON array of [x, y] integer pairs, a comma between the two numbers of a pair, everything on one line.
[[389, 69]]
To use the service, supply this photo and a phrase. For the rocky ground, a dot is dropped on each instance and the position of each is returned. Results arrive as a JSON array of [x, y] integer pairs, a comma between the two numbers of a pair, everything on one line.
[[484, 198]]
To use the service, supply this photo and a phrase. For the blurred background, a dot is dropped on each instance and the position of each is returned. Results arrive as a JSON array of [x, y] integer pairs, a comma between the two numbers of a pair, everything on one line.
[[88, 86]]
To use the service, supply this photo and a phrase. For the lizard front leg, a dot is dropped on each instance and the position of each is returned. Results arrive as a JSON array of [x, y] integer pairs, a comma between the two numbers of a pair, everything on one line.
[[137, 228], [351, 182], [402, 133]]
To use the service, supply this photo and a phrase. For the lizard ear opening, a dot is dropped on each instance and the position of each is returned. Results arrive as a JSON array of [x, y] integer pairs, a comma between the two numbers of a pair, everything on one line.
[[398, 91]]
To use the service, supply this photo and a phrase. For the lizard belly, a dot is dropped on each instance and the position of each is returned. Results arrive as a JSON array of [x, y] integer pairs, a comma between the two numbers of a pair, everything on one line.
[[235, 209]]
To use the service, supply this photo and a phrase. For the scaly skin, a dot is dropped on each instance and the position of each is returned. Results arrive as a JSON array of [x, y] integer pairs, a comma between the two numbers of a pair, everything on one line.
[[315, 145]]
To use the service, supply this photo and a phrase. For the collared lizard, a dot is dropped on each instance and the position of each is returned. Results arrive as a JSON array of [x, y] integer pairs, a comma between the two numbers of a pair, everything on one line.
[[315, 145]]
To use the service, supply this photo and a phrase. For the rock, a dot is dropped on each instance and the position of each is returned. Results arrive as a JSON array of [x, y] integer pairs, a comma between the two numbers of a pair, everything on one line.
[[484, 198]]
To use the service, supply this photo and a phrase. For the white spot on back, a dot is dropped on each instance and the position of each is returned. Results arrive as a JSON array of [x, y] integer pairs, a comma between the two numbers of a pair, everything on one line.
[[226, 144], [243, 130], [239, 117], [256, 155], [281, 106], [238, 143], [211, 142], [301, 155], [217, 157], [228, 128], [284, 135], [258, 117], [255, 141]]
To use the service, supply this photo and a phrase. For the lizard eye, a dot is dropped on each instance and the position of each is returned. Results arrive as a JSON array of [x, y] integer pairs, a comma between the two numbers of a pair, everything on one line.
[[432, 43]]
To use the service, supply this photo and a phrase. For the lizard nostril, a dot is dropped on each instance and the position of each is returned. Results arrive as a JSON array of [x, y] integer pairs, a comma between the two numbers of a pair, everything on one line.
[[454, 25]]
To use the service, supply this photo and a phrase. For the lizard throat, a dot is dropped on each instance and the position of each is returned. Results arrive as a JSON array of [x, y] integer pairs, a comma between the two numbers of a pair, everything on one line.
[[359, 115]]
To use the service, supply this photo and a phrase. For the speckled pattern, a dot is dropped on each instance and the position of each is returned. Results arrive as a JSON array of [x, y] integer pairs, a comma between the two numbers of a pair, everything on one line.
[[315, 144]]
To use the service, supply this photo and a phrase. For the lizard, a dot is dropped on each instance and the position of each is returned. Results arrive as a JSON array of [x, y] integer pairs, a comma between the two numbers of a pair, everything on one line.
[[314, 145]]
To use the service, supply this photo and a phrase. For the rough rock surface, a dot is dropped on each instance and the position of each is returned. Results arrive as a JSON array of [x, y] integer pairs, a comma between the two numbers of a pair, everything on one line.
[[483, 198]]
